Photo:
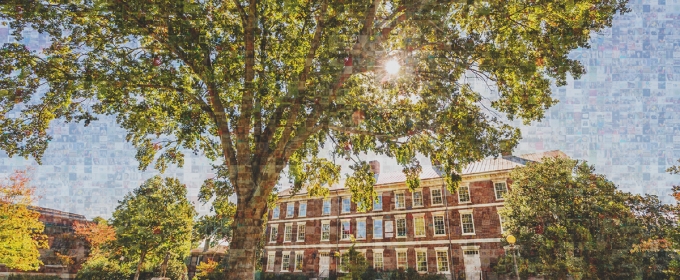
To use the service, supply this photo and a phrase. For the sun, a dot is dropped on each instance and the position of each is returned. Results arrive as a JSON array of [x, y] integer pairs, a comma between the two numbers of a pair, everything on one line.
[[392, 66]]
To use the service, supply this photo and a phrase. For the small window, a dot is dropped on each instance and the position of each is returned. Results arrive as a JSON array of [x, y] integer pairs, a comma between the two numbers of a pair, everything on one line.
[[302, 210], [401, 227], [439, 228], [467, 222], [271, 258], [346, 230], [442, 261], [285, 262], [346, 204], [298, 261], [402, 260], [301, 233], [288, 233], [436, 196], [325, 231], [377, 228], [326, 207], [275, 212], [463, 194], [290, 209], [399, 201], [501, 189], [275, 232], [419, 226], [378, 261], [421, 261], [361, 229], [377, 203], [502, 221], [417, 199]]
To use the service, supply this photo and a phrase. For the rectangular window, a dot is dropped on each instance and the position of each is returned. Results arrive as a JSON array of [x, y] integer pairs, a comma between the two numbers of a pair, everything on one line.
[[326, 207], [288, 233], [378, 261], [501, 189], [442, 261], [302, 210], [298, 261], [271, 258], [290, 209], [361, 229], [275, 212], [401, 227], [341, 268], [275, 233], [502, 220], [439, 228], [377, 228], [377, 203], [402, 260], [325, 231], [463, 194], [285, 262], [467, 222], [436, 196], [301, 233], [346, 230], [417, 199], [421, 261], [399, 201], [419, 226], [346, 205]]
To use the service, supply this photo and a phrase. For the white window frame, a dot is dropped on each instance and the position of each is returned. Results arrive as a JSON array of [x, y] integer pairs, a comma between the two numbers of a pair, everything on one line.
[[472, 217], [362, 220], [288, 233], [382, 227], [379, 195], [302, 260], [413, 199], [469, 197], [415, 227], [274, 233], [500, 219], [405, 251], [349, 205], [441, 196], [340, 269], [379, 252], [396, 200], [421, 250], [448, 264], [396, 226], [276, 212], [495, 192], [290, 209], [323, 207], [303, 231], [300, 212], [434, 224], [271, 261], [342, 229], [326, 222], [283, 257]]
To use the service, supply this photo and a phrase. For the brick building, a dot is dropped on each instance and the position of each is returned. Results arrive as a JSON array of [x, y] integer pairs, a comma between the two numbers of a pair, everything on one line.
[[430, 229]]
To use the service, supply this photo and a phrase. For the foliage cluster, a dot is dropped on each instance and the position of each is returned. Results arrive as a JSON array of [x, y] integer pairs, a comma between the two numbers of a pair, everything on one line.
[[32, 277]]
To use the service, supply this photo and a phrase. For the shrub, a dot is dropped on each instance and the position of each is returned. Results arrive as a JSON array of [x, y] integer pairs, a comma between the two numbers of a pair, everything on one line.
[[32, 277]]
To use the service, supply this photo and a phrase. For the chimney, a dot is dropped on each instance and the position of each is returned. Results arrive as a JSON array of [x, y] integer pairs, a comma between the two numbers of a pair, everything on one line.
[[506, 150], [375, 166]]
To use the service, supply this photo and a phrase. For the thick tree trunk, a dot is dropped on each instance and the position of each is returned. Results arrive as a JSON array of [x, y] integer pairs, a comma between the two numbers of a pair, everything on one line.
[[139, 265], [247, 232]]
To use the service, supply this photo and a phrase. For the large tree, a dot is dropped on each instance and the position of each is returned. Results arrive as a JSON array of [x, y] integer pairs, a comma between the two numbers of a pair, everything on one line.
[[264, 84], [154, 220]]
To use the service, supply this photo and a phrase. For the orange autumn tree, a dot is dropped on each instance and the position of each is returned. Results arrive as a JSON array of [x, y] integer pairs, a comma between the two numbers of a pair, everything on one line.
[[96, 234], [21, 233]]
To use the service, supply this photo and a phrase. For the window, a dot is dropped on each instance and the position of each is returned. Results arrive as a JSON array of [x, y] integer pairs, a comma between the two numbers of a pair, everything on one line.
[[275, 232], [361, 228], [377, 203], [417, 199], [346, 230], [402, 259], [288, 233], [501, 189], [377, 228], [419, 226], [326, 207], [346, 205], [275, 212], [399, 201], [301, 233], [401, 227], [290, 209], [463, 194], [442, 260], [302, 209], [298, 261], [436, 195], [325, 230], [421, 261], [285, 262], [341, 268], [271, 258], [378, 260], [467, 222], [438, 221], [501, 219]]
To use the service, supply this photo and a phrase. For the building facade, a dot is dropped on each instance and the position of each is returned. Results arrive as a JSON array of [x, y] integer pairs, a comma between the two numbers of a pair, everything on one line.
[[430, 229]]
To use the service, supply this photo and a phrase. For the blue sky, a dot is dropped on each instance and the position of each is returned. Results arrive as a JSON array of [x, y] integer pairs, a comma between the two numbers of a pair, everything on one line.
[[621, 116]]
